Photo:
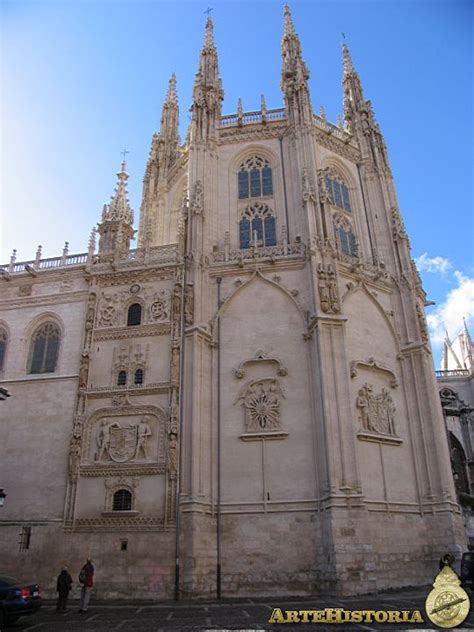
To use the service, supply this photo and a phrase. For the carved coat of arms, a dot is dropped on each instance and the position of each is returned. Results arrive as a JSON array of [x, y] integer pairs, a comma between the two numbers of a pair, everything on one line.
[[123, 443]]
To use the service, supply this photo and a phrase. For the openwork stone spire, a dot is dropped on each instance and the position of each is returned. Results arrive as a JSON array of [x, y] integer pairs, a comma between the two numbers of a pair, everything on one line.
[[294, 75], [170, 115], [115, 229], [207, 92]]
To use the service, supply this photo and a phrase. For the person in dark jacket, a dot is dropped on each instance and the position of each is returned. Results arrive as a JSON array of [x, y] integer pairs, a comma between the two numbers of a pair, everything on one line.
[[86, 577], [63, 586]]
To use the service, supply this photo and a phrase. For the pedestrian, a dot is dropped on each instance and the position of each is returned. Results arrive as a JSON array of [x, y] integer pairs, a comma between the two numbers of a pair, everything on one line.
[[86, 578], [63, 586]]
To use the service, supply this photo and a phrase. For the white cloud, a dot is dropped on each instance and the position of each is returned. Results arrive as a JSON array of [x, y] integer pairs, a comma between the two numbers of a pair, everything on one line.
[[448, 315], [432, 264]]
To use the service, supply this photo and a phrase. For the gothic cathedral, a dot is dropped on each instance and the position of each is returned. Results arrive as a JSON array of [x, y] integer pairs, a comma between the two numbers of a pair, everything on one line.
[[244, 404]]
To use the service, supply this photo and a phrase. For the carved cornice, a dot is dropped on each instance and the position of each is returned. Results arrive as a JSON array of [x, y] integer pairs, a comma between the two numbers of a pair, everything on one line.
[[127, 469], [112, 391], [336, 145], [372, 364], [116, 333], [234, 268], [251, 133], [146, 272], [373, 437], [119, 523]]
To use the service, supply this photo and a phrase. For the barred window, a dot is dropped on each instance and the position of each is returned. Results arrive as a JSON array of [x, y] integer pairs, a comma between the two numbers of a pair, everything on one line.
[[3, 347], [44, 349], [257, 221], [122, 378], [134, 316], [255, 178], [339, 193], [25, 538], [138, 378], [122, 500]]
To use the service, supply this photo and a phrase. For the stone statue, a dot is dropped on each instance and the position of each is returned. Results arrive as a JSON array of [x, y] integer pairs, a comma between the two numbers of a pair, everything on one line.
[[323, 289], [172, 455], [189, 304], [103, 440], [144, 432], [84, 370], [74, 457], [333, 290]]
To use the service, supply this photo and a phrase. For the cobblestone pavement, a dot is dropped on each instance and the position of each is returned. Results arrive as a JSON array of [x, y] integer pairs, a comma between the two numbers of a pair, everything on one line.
[[227, 614]]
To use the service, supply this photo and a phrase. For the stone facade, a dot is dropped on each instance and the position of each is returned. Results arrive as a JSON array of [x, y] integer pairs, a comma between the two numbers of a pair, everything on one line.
[[250, 392]]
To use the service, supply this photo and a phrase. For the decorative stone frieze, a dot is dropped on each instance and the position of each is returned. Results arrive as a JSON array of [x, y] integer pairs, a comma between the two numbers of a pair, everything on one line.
[[377, 412]]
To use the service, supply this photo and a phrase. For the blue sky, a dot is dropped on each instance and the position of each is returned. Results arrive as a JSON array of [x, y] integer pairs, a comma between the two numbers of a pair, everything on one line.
[[81, 80]]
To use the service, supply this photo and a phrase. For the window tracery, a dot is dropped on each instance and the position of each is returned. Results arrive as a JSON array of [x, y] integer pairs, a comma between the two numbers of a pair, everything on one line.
[[345, 236], [44, 349], [255, 178], [258, 222], [337, 191]]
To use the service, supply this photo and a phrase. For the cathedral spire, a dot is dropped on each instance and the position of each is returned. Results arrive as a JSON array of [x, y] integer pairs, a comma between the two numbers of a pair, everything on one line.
[[115, 228], [207, 92], [294, 74], [169, 128]]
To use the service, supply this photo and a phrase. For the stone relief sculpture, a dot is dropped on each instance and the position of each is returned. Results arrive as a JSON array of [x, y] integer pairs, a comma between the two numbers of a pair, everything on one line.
[[108, 309], [172, 455], [261, 400], [328, 290], [122, 443], [189, 304], [422, 322], [74, 457], [377, 412], [84, 369], [197, 200], [160, 307]]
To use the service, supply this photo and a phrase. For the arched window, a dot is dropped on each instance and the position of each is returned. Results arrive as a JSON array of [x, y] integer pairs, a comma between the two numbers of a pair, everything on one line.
[[138, 378], [3, 347], [44, 349], [134, 316], [255, 178], [122, 378], [338, 192], [459, 465], [257, 221], [345, 237], [122, 500]]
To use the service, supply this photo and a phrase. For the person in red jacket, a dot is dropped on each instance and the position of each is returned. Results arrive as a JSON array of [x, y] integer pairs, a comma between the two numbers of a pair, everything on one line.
[[86, 578]]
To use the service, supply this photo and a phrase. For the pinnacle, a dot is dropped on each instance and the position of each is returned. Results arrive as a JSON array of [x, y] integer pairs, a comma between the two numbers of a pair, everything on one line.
[[289, 28], [209, 35], [171, 96], [348, 67]]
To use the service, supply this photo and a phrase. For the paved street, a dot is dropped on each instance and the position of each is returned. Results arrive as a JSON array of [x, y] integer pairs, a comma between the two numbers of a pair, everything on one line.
[[236, 614]]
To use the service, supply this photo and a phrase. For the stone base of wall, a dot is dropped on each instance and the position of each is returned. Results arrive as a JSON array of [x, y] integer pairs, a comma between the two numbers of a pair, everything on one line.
[[339, 551]]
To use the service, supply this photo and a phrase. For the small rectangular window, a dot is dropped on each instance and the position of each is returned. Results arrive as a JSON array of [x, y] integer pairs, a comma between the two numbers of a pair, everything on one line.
[[123, 545], [25, 537]]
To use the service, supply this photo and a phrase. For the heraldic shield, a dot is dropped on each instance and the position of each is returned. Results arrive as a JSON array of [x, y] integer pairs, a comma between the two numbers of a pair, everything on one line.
[[123, 443]]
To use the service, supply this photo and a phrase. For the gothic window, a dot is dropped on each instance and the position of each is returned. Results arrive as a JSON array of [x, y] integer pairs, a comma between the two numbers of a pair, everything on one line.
[[134, 316], [458, 464], [339, 193], [138, 378], [3, 347], [345, 237], [257, 221], [44, 349], [122, 378], [255, 178], [122, 500]]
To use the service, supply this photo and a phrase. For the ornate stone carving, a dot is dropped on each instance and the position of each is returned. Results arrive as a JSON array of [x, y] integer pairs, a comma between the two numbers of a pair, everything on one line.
[[324, 194], [122, 443], [261, 400], [328, 290], [108, 309], [189, 304], [398, 228], [377, 412], [160, 307], [307, 186], [25, 290], [84, 369], [197, 202], [172, 455], [174, 368], [74, 457], [371, 363], [422, 323], [259, 358]]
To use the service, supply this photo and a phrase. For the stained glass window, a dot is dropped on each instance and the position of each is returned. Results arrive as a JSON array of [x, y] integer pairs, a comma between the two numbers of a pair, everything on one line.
[[257, 222], [339, 193], [255, 178], [44, 349]]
